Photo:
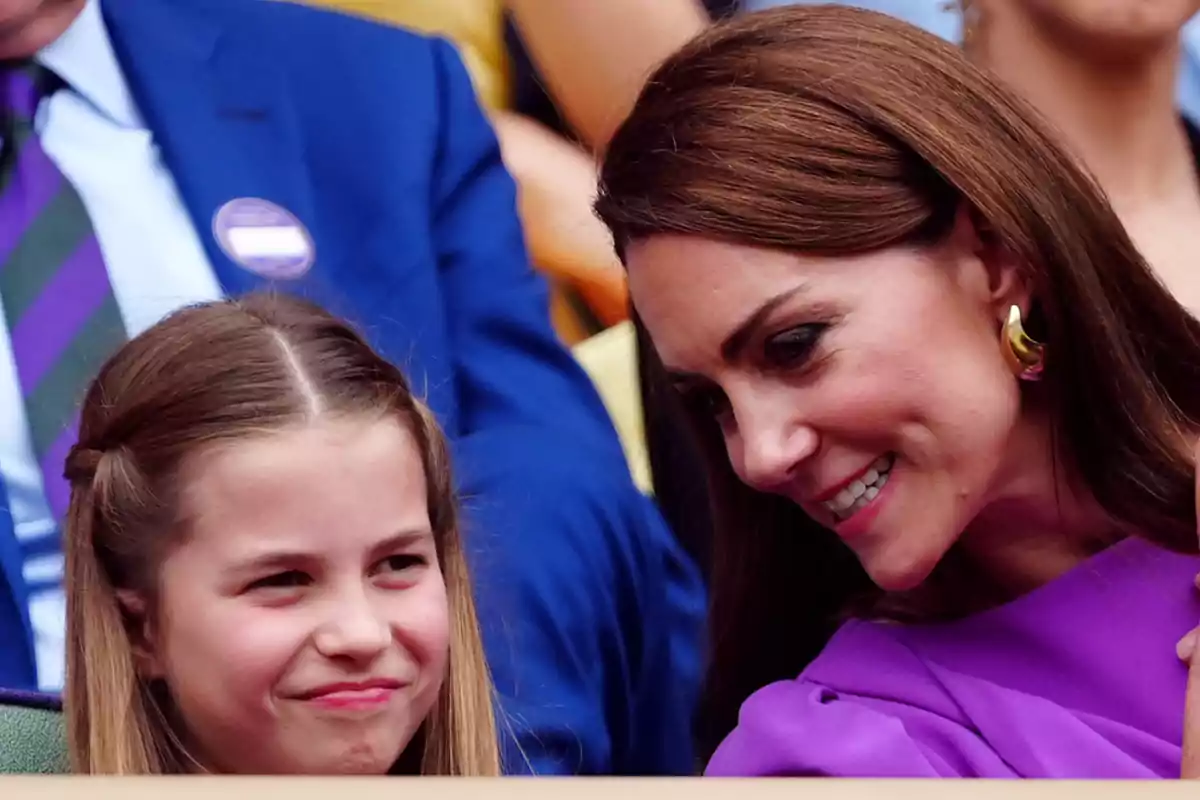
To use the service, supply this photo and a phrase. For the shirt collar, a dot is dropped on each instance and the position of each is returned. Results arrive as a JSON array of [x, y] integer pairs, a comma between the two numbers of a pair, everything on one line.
[[84, 58]]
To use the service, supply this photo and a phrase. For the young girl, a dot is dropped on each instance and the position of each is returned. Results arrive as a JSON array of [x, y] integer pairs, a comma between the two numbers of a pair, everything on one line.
[[263, 568]]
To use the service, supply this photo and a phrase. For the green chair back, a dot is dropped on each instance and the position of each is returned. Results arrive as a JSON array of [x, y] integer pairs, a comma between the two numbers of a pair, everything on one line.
[[32, 739]]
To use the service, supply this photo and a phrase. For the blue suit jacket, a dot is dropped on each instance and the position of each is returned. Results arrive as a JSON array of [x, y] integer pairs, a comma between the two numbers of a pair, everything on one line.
[[372, 137]]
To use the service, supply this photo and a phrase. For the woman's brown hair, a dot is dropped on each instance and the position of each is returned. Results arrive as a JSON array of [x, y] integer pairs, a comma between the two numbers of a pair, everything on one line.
[[835, 131], [208, 374]]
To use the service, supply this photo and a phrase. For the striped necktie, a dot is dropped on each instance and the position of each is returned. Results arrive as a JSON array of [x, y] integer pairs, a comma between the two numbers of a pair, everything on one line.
[[62, 318]]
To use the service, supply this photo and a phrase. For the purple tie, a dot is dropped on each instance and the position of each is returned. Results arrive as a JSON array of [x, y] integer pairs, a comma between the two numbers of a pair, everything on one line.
[[62, 317]]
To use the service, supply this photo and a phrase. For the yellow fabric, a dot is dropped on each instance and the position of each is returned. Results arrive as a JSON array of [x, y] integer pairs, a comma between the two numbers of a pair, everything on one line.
[[610, 359], [475, 26]]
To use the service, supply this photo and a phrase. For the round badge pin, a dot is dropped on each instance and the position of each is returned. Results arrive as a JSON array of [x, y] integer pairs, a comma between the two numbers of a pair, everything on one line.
[[264, 238]]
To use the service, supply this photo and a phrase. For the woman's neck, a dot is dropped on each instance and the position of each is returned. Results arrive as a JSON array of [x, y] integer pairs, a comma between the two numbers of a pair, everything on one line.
[[1120, 118], [1018, 545], [1038, 524]]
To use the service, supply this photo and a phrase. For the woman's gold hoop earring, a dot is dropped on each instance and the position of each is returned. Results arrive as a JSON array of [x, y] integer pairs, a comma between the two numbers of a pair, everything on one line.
[[1024, 355]]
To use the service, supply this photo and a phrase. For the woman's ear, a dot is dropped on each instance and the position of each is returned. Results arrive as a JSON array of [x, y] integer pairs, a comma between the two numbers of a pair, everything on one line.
[[138, 627], [993, 274]]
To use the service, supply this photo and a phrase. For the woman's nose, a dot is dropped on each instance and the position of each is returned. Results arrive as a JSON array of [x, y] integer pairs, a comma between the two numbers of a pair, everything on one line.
[[771, 444]]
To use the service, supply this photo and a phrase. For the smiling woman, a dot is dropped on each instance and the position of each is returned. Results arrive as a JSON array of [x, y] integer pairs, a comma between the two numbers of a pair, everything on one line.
[[948, 410], [264, 568]]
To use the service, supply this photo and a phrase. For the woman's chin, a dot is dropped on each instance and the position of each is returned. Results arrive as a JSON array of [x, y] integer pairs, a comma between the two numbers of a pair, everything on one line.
[[893, 574]]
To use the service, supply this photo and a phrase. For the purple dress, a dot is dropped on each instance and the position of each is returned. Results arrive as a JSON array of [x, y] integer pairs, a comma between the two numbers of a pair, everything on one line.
[[1077, 679]]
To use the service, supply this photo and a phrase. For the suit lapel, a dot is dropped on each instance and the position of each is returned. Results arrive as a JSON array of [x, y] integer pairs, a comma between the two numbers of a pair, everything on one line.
[[220, 111]]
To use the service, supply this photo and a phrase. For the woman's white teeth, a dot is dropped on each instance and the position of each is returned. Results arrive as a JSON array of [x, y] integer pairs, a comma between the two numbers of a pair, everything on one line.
[[862, 491]]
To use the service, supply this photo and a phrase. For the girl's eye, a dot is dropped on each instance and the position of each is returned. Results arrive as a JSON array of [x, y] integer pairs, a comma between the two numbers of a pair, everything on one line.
[[281, 580], [400, 563]]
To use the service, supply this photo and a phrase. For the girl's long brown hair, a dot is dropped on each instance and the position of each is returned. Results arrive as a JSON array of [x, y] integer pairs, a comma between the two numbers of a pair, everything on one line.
[[836, 131], [212, 373]]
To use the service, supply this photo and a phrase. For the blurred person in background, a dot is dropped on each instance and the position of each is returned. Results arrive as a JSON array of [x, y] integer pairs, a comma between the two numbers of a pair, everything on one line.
[[579, 66]]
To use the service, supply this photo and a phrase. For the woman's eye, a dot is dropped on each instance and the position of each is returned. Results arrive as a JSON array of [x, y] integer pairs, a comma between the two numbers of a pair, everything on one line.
[[281, 580], [793, 346]]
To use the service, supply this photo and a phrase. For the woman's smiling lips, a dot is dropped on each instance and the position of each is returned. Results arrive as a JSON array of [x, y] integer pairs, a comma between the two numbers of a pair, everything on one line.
[[849, 497]]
